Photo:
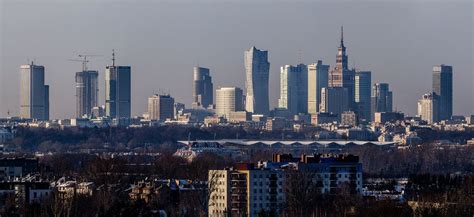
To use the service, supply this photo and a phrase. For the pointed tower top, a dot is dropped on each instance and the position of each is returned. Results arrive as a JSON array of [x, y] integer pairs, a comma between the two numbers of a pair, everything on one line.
[[342, 36]]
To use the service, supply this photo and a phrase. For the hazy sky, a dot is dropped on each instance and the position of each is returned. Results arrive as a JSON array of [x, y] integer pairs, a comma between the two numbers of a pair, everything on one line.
[[399, 41]]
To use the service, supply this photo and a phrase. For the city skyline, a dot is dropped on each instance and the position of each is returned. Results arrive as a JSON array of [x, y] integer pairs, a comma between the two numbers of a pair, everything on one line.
[[231, 71]]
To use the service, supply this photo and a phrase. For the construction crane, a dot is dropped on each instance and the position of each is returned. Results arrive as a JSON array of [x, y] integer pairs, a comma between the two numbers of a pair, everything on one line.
[[84, 60]]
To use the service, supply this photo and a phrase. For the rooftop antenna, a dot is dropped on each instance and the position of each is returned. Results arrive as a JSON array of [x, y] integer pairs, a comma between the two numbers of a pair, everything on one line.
[[300, 56], [113, 57]]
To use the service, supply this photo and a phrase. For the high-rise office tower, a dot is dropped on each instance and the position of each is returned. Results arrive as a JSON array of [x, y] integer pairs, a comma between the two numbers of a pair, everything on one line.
[[381, 98], [294, 89], [428, 108], [317, 79], [256, 84], [87, 89], [228, 99], [363, 85], [202, 87], [443, 88], [117, 91], [342, 76], [34, 95], [334, 100], [161, 107]]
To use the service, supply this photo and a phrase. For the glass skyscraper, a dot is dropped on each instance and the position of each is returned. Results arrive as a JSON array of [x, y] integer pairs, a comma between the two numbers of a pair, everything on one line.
[[87, 89], [256, 84], [118, 91], [443, 88], [34, 95]]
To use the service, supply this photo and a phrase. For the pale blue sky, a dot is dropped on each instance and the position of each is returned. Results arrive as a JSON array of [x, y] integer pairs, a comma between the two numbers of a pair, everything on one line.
[[399, 41]]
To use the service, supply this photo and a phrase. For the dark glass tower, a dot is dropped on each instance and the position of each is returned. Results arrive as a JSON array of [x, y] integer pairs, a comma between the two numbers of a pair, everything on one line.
[[443, 88]]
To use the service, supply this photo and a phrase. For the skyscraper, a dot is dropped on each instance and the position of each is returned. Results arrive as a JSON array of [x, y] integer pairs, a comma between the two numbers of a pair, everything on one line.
[[294, 88], [428, 108], [117, 91], [228, 99], [161, 107], [334, 100], [256, 84], [87, 89], [443, 88], [342, 76], [363, 85], [317, 79], [381, 98], [202, 87], [34, 95]]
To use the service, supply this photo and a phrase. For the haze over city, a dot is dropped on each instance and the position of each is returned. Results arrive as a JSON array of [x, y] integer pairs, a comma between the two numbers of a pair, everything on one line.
[[399, 41]]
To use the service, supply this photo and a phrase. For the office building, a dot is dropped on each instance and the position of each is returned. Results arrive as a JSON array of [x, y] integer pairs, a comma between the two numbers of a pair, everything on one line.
[[256, 84], [161, 107], [118, 91], [202, 87], [334, 100], [428, 108], [294, 89], [363, 85], [443, 88], [87, 91], [228, 99], [341, 75], [324, 118], [381, 98], [34, 94], [317, 79]]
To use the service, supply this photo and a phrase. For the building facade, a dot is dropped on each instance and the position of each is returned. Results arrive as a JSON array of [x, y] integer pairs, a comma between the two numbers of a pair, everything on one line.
[[428, 108], [334, 100], [363, 85], [317, 79], [34, 94], [161, 107], [228, 99], [443, 88], [256, 84], [381, 98], [87, 92], [294, 89], [202, 87], [118, 91]]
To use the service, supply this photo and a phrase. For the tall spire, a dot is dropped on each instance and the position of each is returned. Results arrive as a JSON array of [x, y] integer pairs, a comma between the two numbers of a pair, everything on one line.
[[342, 36]]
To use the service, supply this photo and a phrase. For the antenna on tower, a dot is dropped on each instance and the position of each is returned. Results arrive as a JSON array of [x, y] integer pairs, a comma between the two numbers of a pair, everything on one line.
[[300, 56], [113, 57]]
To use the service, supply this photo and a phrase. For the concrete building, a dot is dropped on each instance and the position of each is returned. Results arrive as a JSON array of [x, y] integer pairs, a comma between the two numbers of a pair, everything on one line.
[[256, 84], [118, 91], [239, 116], [294, 89], [443, 88], [324, 118], [363, 85], [202, 87], [428, 108], [334, 100], [228, 99], [341, 75], [161, 107], [349, 118], [245, 191], [34, 94], [317, 79], [87, 92], [381, 98], [383, 117]]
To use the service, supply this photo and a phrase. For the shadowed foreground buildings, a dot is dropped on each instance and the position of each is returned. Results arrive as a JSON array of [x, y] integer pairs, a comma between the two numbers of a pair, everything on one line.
[[34, 94], [247, 190]]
